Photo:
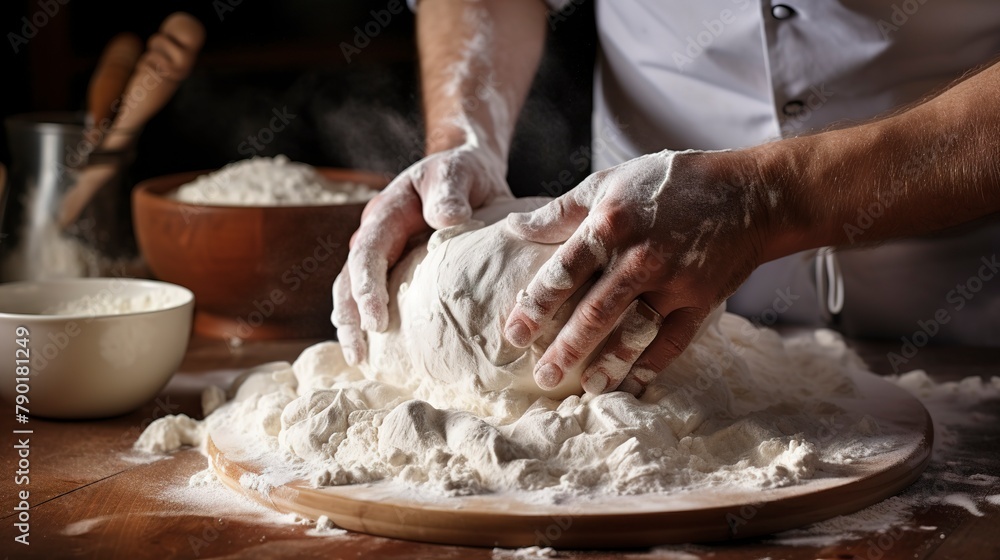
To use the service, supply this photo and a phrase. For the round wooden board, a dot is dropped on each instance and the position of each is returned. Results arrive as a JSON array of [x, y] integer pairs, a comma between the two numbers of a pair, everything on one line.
[[390, 509]]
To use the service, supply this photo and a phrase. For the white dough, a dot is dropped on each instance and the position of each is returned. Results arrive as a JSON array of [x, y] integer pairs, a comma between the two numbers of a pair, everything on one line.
[[445, 405], [448, 304]]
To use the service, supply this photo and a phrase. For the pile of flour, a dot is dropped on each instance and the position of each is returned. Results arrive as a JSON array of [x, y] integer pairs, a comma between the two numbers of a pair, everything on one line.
[[107, 303], [264, 181], [446, 406]]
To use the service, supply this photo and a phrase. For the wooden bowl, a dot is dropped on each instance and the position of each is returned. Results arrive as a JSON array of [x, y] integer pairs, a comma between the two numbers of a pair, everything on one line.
[[256, 272]]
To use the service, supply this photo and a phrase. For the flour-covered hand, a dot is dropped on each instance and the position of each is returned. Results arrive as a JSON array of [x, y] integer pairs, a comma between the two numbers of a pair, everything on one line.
[[438, 191], [664, 238]]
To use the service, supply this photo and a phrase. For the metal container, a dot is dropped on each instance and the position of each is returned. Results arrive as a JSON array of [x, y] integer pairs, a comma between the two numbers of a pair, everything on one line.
[[48, 153]]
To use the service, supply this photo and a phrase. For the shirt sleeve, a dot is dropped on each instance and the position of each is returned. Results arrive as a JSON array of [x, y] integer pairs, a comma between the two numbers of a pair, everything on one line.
[[554, 5]]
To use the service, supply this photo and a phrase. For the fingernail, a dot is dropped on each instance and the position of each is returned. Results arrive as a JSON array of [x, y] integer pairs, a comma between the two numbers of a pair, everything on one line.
[[548, 376], [518, 334], [517, 218], [596, 383], [350, 356]]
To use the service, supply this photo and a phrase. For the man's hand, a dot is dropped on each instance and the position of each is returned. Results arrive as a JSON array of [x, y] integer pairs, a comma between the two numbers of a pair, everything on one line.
[[679, 232], [438, 191], [477, 61]]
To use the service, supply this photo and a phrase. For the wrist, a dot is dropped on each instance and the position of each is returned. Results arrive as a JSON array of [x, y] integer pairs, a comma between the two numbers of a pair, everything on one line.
[[443, 137], [771, 177], [455, 137]]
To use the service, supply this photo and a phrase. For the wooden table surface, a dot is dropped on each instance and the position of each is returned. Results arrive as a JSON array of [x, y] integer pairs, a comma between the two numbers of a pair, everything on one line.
[[87, 499]]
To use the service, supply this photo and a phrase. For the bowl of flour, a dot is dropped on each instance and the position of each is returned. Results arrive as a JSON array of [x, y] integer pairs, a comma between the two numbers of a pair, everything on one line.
[[91, 347], [259, 242]]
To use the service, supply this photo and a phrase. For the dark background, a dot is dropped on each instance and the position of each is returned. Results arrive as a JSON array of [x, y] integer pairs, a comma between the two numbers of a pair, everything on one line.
[[265, 55]]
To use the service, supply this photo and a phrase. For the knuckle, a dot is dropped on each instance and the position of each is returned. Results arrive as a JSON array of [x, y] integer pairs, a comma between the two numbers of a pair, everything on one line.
[[603, 223], [535, 305], [562, 210], [671, 345], [572, 351], [595, 314]]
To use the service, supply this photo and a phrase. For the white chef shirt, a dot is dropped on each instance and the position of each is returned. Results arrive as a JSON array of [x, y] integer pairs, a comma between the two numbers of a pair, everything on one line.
[[717, 74], [713, 74]]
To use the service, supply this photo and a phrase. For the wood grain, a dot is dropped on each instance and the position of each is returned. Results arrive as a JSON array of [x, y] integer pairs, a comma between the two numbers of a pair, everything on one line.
[[78, 475]]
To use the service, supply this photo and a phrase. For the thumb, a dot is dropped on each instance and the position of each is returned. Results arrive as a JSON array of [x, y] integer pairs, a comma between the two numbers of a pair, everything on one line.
[[447, 204]]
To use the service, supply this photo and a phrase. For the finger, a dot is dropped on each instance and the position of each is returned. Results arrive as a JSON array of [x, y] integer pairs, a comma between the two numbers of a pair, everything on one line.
[[594, 318], [676, 333], [378, 244], [347, 320], [556, 281], [553, 223], [446, 202], [634, 333]]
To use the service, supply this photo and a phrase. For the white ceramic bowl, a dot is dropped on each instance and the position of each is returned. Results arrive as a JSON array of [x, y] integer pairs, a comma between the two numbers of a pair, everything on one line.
[[89, 364]]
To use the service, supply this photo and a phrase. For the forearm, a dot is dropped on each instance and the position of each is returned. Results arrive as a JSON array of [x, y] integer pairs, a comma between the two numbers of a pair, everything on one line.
[[931, 167], [477, 61]]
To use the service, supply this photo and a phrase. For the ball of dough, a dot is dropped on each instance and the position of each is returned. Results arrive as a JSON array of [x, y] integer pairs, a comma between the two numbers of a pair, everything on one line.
[[449, 300]]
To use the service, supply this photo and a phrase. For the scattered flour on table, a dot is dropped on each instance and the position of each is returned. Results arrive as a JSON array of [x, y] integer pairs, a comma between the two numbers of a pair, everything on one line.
[[444, 405], [265, 181], [84, 526], [670, 553], [325, 528], [527, 553], [950, 478], [109, 303]]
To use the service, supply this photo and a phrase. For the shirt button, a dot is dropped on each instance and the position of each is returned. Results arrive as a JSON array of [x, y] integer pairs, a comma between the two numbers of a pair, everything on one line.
[[781, 11], [793, 108]]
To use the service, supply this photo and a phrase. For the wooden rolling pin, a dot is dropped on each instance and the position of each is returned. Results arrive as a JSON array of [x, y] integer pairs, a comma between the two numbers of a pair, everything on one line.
[[170, 55], [116, 65]]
